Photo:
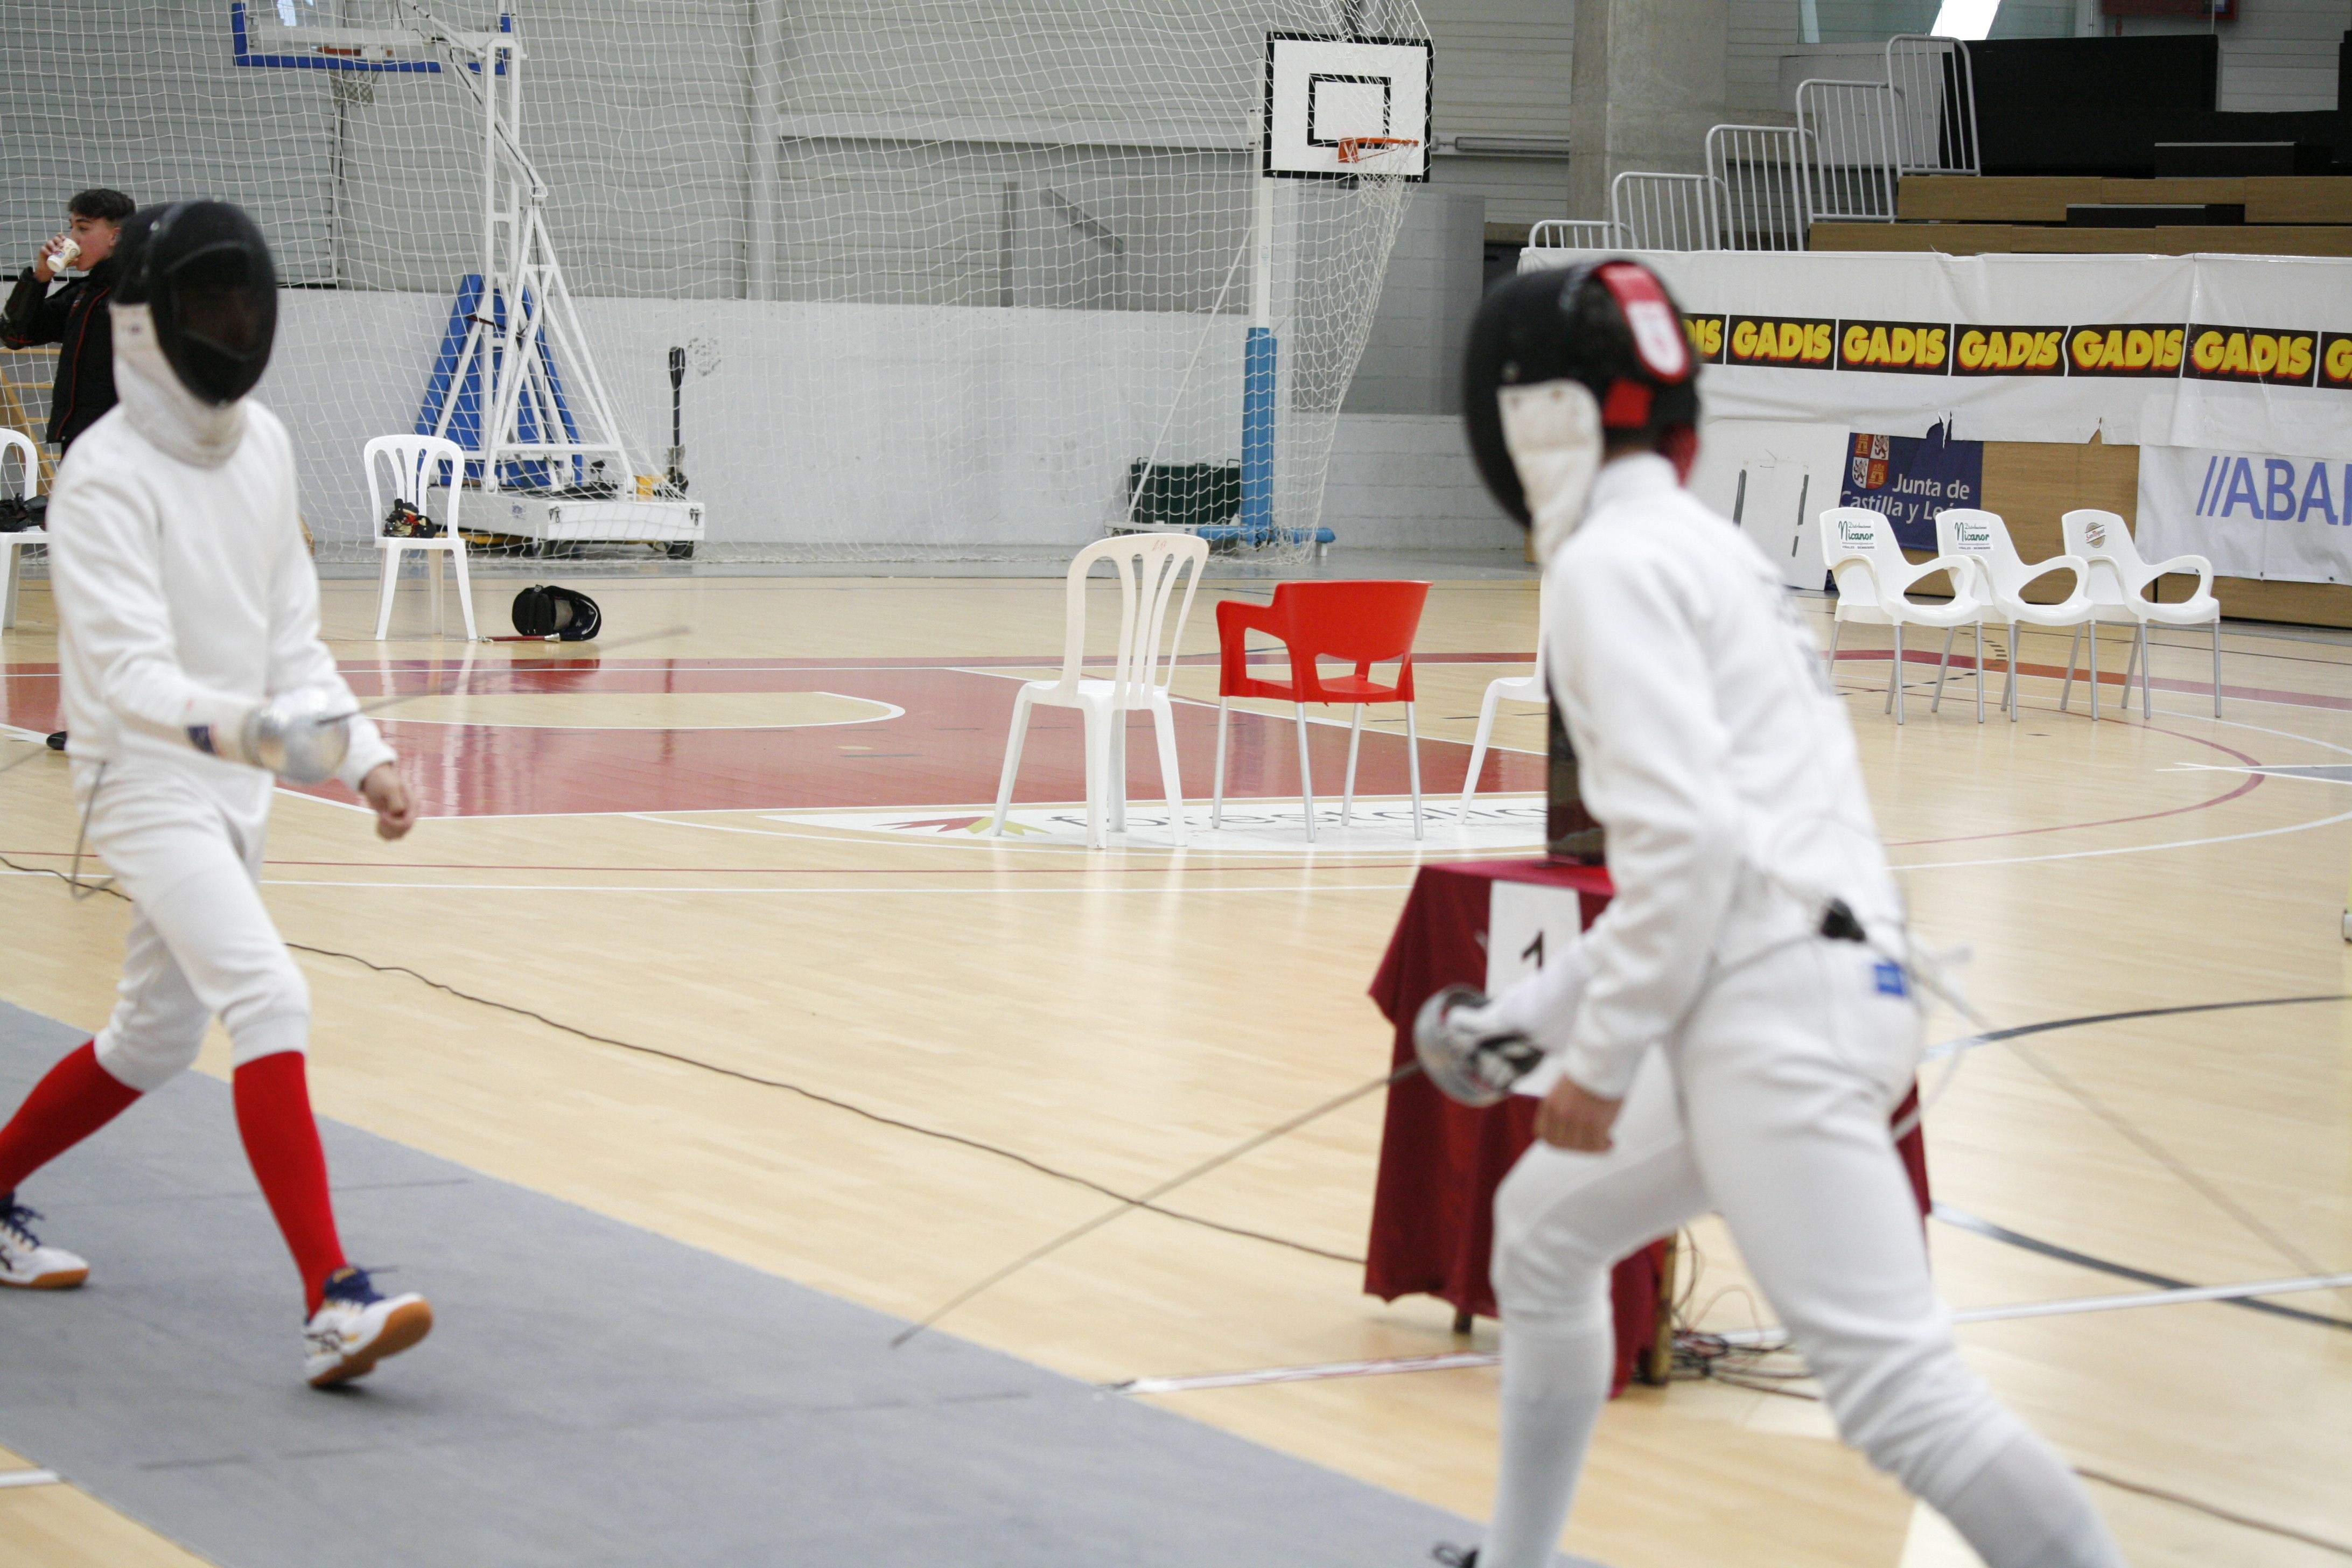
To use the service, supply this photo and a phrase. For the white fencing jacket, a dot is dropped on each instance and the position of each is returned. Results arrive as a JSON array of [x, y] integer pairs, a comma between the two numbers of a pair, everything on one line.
[[185, 595], [1715, 756]]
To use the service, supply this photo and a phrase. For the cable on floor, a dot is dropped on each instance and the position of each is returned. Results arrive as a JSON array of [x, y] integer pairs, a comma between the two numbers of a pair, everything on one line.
[[1701, 1356], [851, 1106]]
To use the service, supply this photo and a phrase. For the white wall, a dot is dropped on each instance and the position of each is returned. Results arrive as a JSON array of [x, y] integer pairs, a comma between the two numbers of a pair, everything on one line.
[[1761, 32], [1412, 360], [864, 424], [1405, 481], [888, 414], [868, 425], [1502, 68]]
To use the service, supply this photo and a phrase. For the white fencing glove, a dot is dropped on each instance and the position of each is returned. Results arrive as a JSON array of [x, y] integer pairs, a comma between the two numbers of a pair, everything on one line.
[[293, 735], [1553, 429]]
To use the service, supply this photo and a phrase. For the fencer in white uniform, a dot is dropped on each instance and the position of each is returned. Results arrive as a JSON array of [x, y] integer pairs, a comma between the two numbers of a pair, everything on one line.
[[186, 604], [1722, 1041], [193, 679]]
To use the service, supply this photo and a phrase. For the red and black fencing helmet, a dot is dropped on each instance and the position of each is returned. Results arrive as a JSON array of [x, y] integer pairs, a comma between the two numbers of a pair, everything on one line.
[[1610, 325]]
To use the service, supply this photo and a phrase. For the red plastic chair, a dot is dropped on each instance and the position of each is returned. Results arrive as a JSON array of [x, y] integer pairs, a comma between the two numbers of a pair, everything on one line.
[[1362, 623]]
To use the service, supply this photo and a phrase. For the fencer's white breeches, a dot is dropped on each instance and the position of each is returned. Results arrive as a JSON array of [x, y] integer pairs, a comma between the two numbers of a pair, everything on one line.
[[187, 850], [1770, 1107]]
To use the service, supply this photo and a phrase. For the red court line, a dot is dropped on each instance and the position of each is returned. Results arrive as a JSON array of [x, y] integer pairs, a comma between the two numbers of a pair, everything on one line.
[[2252, 781], [358, 666], [2109, 678], [946, 744], [361, 668]]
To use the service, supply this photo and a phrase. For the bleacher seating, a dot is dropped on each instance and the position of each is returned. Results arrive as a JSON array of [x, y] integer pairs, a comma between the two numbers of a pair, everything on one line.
[[1996, 198], [1895, 164], [2262, 216]]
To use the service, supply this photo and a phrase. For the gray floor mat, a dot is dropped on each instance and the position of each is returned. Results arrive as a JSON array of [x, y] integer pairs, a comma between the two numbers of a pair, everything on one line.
[[592, 1395]]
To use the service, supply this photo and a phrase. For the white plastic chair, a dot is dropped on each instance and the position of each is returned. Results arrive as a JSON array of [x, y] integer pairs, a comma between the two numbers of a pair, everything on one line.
[[1982, 538], [413, 464], [28, 485], [1528, 687], [1149, 567], [2120, 579], [1874, 580]]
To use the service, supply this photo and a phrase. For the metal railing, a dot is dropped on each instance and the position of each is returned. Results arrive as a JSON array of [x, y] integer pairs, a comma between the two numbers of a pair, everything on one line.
[[1667, 211], [1766, 185], [1763, 172], [1852, 128], [1935, 105], [1578, 234]]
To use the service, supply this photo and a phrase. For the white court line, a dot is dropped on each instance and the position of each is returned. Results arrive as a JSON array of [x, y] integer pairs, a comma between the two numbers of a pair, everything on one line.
[[1310, 853], [2178, 1294], [850, 836], [896, 712], [1748, 1338], [2267, 770], [29, 1478], [1307, 854], [2176, 844], [1156, 888], [1461, 1359], [2125, 848], [1281, 718]]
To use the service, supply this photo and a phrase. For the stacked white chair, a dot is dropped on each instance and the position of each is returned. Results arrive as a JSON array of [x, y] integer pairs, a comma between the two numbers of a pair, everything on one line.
[[2120, 580], [412, 465], [1874, 580], [1981, 538], [1528, 687], [1150, 567], [17, 444]]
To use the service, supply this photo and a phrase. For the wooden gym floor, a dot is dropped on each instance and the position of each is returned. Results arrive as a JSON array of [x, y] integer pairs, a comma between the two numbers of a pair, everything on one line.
[[748, 844]]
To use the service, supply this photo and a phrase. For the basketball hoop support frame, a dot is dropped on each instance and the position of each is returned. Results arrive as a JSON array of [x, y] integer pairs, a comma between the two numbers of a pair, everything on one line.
[[523, 286], [525, 311]]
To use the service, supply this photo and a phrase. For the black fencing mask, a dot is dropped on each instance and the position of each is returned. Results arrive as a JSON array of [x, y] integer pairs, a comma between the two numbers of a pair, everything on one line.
[[543, 610], [1607, 327], [204, 274]]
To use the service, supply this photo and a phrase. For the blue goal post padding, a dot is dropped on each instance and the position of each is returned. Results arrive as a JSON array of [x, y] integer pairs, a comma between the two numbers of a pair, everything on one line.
[[1241, 533], [466, 416]]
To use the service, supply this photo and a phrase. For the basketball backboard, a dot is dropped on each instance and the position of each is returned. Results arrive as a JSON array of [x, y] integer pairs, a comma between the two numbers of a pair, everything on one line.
[[362, 36], [1322, 91]]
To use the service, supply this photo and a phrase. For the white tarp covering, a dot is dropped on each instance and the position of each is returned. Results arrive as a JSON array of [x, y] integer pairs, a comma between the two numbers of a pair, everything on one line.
[[2247, 354], [2251, 515]]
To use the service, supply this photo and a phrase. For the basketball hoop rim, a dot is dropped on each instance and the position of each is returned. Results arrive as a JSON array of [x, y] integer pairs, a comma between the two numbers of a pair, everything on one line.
[[1356, 148]]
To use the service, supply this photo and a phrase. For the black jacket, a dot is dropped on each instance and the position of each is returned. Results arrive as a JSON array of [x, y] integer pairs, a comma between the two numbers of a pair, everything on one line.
[[74, 316]]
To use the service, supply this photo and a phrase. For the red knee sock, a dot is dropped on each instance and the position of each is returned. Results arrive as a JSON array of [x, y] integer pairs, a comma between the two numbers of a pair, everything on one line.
[[281, 1138], [76, 1099]]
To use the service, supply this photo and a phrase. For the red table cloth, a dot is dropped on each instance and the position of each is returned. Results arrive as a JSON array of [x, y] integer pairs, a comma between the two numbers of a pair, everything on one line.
[[1432, 1209]]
